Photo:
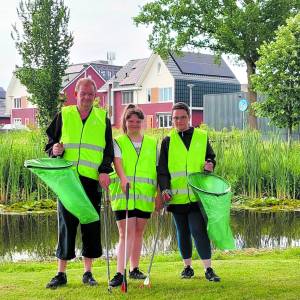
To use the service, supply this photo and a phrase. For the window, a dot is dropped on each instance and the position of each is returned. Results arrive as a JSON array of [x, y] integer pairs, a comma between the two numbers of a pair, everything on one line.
[[158, 68], [149, 95], [17, 121], [127, 97], [17, 102], [164, 121], [165, 94]]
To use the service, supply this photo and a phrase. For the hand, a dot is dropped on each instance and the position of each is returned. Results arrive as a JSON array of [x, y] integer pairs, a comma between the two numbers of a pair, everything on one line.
[[104, 180], [58, 149], [123, 184], [209, 166], [166, 195]]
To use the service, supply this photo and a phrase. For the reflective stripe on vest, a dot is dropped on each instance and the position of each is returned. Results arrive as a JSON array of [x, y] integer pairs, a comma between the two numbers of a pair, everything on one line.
[[136, 179], [140, 170], [82, 146], [190, 161], [86, 146], [137, 197]]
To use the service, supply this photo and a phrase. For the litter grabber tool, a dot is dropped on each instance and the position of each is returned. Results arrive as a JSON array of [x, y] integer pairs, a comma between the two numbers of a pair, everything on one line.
[[124, 283]]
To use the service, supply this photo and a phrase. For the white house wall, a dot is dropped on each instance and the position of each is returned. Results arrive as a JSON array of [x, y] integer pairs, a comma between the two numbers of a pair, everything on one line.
[[15, 90], [155, 80]]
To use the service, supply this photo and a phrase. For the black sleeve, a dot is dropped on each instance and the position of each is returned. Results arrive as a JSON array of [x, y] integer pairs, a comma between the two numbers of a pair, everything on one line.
[[108, 153], [54, 133], [163, 174], [210, 154]]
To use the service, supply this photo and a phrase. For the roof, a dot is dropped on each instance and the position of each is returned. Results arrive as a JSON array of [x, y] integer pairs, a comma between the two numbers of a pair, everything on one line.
[[198, 66], [2, 107], [2, 93], [135, 72], [128, 75], [105, 70]]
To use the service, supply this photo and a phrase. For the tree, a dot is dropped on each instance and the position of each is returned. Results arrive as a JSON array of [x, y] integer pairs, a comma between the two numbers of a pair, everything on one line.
[[278, 77], [44, 45], [236, 27]]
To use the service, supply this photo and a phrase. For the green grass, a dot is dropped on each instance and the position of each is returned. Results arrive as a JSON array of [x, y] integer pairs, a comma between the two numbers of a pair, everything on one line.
[[250, 274]]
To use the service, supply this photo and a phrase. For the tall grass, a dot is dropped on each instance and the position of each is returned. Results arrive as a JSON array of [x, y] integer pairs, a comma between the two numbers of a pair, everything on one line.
[[255, 166], [258, 167], [16, 182]]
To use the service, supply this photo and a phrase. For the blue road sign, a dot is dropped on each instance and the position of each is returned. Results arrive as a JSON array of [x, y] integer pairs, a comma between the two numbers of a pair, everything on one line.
[[243, 105]]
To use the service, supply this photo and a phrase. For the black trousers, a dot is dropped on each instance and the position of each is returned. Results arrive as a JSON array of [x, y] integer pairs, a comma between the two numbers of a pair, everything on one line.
[[90, 233], [188, 225]]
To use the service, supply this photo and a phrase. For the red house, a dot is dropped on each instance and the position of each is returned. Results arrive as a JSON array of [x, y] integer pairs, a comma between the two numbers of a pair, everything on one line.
[[23, 112], [99, 71]]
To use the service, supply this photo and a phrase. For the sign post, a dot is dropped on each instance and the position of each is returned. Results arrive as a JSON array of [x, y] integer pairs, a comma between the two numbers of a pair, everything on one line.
[[243, 106]]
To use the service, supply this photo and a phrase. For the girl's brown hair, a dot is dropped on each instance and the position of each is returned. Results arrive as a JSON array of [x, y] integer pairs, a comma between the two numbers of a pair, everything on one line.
[[130, 110]]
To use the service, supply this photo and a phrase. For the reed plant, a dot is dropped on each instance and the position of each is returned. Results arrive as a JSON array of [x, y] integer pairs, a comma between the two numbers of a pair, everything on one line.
[[256, 166], [16, 182]]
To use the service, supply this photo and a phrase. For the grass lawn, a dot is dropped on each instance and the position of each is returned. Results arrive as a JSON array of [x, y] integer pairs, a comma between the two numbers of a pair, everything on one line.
[[249, 274]]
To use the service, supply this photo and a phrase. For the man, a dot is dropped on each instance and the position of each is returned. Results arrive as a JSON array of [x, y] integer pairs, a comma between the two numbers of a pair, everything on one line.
[[82, 134]]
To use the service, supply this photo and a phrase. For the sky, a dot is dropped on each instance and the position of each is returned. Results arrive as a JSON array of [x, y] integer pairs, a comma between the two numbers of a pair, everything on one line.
[[98, 26]]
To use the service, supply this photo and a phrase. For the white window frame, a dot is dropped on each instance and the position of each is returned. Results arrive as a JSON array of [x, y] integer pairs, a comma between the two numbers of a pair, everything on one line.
[[164, 121], [127, 97], [17, 103], [17, 121], [165, 94]]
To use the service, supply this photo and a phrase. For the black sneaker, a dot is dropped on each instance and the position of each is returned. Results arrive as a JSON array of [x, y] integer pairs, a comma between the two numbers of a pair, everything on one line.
[[187, 272], [59, 280], [117, 280], [136, 274], [211, 275], [88, 278]]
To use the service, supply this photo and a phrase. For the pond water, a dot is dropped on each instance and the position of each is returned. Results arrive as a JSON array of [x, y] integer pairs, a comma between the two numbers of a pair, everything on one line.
[[27, 237]]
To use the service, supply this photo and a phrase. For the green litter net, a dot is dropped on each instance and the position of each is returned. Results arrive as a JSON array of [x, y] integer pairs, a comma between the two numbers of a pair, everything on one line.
[[214, 196], [58, 174]]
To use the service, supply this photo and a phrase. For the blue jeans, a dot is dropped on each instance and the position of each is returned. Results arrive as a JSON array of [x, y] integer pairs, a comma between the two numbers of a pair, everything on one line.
[[190, 225]]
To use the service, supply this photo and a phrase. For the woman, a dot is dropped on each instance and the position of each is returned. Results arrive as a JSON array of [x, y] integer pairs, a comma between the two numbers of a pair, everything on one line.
[[135, 164], [192, 147]]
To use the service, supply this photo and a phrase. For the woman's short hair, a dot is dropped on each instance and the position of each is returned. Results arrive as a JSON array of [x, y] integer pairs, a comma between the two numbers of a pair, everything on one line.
[[181, 105], [131, 109]]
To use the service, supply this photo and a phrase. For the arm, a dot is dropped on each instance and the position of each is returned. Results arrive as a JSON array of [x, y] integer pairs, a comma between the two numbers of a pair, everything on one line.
[[54, 147], [210, 156], [120, 171], [163, 174], [108, 155]]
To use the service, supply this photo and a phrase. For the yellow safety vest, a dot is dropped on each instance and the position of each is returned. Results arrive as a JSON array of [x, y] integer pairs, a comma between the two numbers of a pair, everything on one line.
[[182, 162], [84, 143], [140, 170]]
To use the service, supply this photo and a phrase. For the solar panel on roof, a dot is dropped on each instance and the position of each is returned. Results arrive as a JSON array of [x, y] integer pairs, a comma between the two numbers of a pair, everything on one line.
[[202, 64]]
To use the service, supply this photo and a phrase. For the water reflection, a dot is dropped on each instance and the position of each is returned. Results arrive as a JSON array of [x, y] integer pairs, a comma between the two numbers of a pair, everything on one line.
[[34, 236]]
